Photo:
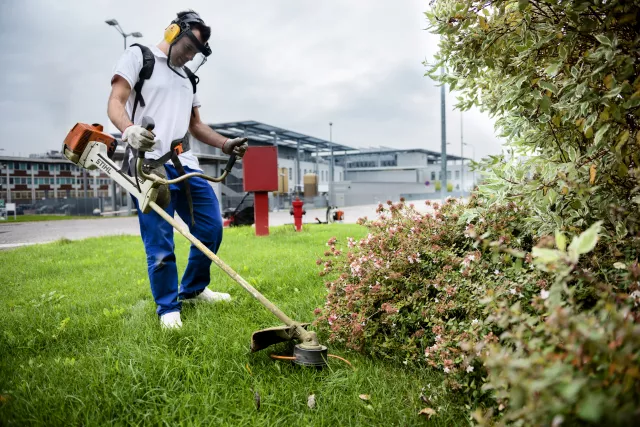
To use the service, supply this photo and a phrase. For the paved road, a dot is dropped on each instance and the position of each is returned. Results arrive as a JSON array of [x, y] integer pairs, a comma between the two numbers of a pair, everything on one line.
[[29, 233]]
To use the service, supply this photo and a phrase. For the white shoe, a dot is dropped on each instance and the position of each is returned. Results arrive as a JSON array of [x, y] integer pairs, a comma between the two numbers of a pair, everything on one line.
[[211, 297], [171, 320]]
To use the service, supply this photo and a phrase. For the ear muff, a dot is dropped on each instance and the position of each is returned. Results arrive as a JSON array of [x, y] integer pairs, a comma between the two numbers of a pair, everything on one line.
[[171, 33]]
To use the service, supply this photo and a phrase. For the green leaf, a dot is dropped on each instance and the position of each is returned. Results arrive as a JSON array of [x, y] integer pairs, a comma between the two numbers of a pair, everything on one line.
[[546, 256], [570, 391], [588, 132], [590, 408], [586, 241], [561, 241], [553, 69], [600, 133], [603, 39], [545, 104], [548, 86]]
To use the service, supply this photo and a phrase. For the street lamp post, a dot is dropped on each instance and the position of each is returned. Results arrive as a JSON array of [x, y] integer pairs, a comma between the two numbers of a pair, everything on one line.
[[462, 157], [113, 23], [279, 190], [443, 140], [331, 165], [473, 156], [8, 190]]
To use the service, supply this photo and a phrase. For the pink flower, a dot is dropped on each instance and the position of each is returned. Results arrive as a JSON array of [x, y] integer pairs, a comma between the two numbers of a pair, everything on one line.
[[332, 318], [388, 308]]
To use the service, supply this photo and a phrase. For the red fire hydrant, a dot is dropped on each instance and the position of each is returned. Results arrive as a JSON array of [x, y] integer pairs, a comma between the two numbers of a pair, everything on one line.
[[297, 212]]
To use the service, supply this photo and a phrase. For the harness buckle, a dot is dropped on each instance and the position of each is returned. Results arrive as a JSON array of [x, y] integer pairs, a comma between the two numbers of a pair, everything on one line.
[[178, 149]]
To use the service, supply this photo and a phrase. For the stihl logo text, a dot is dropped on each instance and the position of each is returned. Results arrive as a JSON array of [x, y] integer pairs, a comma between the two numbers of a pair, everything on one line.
[[103, 165]]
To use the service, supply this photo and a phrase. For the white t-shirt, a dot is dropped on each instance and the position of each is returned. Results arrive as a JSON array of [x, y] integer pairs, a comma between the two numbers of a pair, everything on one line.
[[168, 101]]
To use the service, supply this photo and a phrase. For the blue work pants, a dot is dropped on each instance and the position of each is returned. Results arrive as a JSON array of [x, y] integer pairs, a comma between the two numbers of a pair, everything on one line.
[[157, 236]]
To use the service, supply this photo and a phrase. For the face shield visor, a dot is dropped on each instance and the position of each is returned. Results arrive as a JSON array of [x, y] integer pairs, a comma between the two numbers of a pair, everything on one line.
[[187, 51]]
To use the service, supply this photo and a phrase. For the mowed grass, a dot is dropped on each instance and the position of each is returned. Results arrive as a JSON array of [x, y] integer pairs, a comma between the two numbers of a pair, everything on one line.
[[80, 343]]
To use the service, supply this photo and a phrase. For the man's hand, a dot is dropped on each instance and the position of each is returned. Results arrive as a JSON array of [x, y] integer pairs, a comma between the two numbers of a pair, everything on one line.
[[138, 138], [237, 146]]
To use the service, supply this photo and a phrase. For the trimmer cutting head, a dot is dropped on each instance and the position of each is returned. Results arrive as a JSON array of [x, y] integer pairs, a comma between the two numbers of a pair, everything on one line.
[[310, 356], [308, 353]]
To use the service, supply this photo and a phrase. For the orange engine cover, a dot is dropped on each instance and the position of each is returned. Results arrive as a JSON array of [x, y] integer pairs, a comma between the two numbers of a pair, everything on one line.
[[81, 134]]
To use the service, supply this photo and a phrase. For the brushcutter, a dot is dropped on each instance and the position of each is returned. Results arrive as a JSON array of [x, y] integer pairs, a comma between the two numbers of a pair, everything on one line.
[[89, 147]]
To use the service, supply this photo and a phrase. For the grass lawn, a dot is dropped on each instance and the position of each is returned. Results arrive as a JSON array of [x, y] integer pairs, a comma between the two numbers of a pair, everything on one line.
[[80, 343]]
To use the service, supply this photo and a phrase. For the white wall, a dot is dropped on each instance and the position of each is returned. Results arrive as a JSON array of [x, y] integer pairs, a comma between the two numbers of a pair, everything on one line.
[[412, 159]]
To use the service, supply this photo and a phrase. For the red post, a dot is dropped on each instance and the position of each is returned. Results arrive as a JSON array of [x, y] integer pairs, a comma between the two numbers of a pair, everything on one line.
[[260, 175], [297, 213], [261, 212]]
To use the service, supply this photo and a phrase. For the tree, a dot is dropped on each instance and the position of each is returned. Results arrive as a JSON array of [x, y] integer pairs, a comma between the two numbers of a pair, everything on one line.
[[561, 78]]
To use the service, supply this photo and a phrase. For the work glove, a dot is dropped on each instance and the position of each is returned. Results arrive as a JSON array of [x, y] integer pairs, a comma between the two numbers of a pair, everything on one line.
[[139, 138], [237, 146]]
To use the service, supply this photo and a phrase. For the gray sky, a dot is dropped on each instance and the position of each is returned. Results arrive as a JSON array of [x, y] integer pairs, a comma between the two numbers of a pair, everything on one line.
[[297, 64]]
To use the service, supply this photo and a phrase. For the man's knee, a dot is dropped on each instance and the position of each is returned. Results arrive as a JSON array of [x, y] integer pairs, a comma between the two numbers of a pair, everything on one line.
[[158, 260]]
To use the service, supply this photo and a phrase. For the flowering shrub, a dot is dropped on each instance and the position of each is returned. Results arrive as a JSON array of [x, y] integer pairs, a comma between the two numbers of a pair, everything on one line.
[[458, 290], [411, 289]]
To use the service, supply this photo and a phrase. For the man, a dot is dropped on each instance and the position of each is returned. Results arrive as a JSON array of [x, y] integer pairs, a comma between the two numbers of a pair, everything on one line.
[[168, 97]]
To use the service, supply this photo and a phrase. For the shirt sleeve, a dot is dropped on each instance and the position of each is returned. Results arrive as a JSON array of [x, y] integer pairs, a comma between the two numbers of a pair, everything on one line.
[[129, 65], [196, 101]]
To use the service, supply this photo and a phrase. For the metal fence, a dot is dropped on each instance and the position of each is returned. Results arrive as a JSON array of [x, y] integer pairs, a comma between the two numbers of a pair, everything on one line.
[[69, 206]]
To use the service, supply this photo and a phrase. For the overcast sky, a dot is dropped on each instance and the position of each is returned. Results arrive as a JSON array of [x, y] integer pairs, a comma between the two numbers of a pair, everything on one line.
[[297, 64]]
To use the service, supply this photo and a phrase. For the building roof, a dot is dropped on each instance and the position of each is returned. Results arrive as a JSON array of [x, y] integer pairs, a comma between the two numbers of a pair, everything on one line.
[[261, 132], [434, 155], [34, 159]]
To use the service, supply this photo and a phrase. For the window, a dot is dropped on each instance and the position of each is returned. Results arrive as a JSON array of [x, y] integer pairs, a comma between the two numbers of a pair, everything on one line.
[[290, 173], [457, 174], [433, 176], [448, 175]]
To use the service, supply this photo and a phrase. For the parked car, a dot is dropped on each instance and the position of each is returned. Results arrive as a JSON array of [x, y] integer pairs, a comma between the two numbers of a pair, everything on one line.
[[67, 208], [46, 209]]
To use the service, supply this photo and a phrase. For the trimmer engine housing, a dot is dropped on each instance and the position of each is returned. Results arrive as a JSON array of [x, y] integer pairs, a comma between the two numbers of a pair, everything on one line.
[[80, 135]]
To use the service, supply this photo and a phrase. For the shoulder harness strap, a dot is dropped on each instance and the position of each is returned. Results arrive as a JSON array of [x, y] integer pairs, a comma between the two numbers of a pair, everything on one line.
[[148, 62]]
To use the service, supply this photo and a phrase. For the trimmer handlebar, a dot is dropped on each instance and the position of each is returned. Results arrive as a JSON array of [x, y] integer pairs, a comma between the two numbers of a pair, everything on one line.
[[149, 124]]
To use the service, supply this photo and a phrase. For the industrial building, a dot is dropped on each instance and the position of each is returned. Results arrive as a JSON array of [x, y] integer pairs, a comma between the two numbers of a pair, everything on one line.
[[361, 176]]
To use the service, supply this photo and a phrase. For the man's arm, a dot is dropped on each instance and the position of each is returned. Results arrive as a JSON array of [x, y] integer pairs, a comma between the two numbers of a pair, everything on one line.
[[120, 91], [203, 132], [136, 136]]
